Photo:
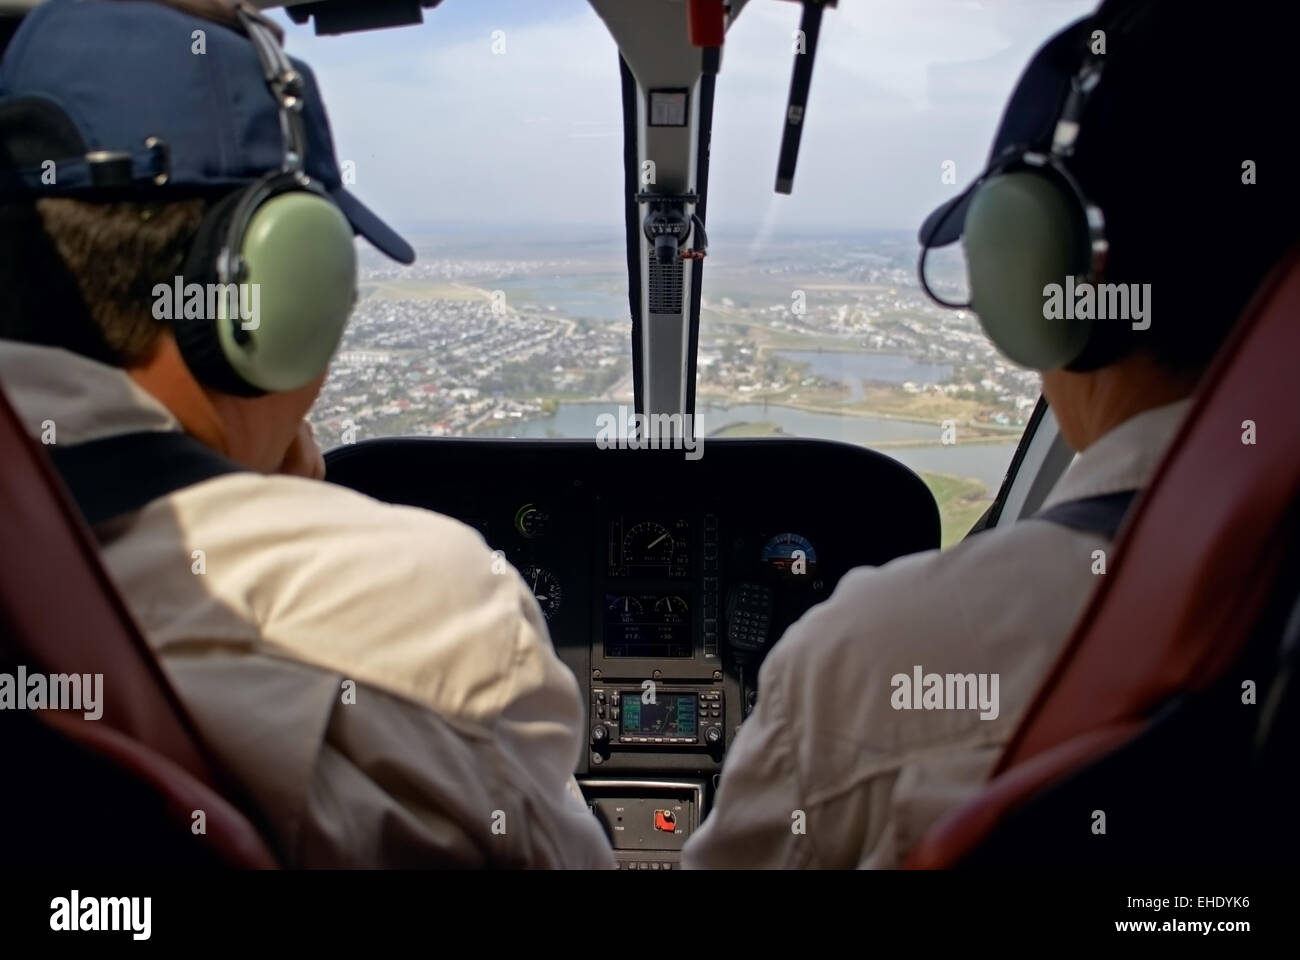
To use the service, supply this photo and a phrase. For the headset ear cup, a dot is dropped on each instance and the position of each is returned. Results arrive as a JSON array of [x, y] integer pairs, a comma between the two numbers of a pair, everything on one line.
[[1023, 240], [197, 336], [299, 289]]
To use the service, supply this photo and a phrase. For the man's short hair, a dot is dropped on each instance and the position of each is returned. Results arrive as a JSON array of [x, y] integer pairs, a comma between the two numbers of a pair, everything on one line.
[[79, 274]]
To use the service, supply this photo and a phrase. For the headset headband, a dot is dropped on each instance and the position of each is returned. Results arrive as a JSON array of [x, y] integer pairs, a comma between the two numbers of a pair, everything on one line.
[[284, 82]]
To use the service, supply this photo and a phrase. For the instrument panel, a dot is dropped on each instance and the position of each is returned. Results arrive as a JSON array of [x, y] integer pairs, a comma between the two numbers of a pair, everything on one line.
[[647, 625], [663, 581], [659, 548]]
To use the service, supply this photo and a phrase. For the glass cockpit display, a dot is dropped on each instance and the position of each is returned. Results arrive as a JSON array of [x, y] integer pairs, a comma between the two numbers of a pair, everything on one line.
[[647, 625], [649, 549], [791, 556], [668, 715]]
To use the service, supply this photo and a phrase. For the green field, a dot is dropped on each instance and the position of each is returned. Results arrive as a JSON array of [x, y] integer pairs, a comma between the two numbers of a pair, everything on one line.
[[747, 429], [961, 503]]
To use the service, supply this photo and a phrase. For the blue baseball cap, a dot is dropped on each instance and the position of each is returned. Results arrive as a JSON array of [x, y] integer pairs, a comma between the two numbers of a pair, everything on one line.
[[179, 103]]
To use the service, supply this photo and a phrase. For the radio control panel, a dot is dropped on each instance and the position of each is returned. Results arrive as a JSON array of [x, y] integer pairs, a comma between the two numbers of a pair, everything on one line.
[[657, 717]]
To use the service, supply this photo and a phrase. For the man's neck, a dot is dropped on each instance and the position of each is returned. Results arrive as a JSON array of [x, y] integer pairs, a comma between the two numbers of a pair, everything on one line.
[[1090, 405], [1126, 407], [165, 376]]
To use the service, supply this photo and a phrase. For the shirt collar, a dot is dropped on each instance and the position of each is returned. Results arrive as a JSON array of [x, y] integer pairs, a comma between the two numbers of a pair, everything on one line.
[[1123, 459], [81, 398]]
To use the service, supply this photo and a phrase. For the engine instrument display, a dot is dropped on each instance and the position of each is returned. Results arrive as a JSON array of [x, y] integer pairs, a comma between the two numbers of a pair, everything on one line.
[[649, 548], [647, 625], [531, 521], [670, 715]]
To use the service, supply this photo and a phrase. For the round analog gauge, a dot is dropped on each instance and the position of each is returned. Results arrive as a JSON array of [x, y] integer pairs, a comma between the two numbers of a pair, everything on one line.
[[626, 604], [531, 521], [791, 555], [546, 588], [648, 542], [673, 604]]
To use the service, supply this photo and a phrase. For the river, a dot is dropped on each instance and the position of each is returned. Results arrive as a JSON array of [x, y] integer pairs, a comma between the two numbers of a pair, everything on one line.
[[851, 368]]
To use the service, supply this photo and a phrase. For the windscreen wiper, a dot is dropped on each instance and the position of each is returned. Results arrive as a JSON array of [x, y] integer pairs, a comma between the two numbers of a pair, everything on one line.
[[810, 26]]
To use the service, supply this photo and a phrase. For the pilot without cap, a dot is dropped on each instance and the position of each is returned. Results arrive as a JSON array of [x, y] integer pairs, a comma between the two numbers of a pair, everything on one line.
[[853, 751], [383, 687]]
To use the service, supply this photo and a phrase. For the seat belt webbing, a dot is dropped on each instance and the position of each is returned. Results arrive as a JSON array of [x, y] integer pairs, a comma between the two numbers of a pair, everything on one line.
[[1101, 514], [118, 475]]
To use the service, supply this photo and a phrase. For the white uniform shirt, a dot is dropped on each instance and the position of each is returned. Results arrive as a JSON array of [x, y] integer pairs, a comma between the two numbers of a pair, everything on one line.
[[464, 729], [826, 772]]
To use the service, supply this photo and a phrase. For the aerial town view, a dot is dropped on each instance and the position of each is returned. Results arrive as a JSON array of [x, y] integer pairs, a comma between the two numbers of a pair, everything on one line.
[[825, 337]]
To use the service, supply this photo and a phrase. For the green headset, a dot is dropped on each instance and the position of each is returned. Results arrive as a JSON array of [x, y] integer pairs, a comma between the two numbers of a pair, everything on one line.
[[288, 241], [1030, 224]]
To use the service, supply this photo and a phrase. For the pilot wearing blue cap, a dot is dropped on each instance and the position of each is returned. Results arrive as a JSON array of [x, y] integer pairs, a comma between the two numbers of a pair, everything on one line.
[[177, 265], [1123, 222]]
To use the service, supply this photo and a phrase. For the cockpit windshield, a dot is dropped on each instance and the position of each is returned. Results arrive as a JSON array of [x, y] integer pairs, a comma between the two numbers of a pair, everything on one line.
[[493, 136]]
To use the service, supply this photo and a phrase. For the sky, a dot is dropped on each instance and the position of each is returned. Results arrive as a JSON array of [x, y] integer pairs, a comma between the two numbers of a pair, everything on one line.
[[443, 132]]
